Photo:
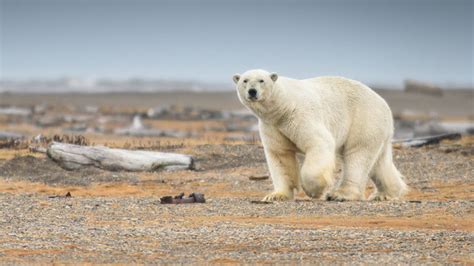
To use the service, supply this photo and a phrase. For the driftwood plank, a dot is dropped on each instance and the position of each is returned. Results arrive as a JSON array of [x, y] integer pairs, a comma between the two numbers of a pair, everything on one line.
[[73, 157], [419, 142]]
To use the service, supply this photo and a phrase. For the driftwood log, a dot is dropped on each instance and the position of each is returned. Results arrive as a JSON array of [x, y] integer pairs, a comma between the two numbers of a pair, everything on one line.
[[73, 157], [419, 142]]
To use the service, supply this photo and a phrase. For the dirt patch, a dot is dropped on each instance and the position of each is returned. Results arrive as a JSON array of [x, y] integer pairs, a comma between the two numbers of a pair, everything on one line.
[[443, 191], [26, 252], [95, 190], [431, 222], [218, 157], [118, 189], [44, 170]]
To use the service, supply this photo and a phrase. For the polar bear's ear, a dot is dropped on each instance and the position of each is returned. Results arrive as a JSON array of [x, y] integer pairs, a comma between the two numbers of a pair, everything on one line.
[[236, 78], [274, 76]]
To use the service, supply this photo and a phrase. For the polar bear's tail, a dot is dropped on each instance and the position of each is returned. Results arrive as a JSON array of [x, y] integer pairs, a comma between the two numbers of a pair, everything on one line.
[[387, 178]]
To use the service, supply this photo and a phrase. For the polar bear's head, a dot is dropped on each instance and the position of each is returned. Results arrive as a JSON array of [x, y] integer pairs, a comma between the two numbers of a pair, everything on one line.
[[255, 85]]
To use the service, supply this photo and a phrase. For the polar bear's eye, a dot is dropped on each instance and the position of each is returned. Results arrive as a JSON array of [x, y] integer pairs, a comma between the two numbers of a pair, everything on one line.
[[246, 80], [261, 81]]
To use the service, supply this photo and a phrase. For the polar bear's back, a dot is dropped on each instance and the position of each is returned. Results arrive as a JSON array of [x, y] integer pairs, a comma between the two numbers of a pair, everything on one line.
[[345, 88], [351, 93], [353, 103]]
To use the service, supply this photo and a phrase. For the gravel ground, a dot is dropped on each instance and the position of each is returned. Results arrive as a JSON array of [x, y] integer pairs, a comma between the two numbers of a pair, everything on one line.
[[432, 225], [126, 230]]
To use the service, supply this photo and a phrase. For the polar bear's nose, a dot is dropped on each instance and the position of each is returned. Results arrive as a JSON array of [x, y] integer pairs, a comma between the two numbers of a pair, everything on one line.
[[253, 93]]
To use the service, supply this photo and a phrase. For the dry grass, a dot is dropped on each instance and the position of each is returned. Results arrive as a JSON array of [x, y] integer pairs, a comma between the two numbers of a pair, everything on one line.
[[143, 189], [464, 141], [6, 154], [148, 187]]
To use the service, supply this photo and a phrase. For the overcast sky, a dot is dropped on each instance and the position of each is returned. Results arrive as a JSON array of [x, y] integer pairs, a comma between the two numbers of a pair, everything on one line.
[[377, 41]]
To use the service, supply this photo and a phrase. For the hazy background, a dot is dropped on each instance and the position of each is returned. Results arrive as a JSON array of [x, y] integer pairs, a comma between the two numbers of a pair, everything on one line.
[[378, 42]]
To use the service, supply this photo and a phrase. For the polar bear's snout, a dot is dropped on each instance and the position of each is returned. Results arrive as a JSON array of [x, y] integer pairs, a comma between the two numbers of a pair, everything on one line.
[[252, 94]]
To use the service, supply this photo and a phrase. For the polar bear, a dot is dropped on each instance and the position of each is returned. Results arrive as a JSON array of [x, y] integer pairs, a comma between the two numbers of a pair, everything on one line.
[[324, 118]]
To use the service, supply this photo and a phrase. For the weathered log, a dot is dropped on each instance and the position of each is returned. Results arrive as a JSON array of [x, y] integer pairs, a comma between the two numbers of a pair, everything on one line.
[[259, 177], [73, 157], [419, 142]]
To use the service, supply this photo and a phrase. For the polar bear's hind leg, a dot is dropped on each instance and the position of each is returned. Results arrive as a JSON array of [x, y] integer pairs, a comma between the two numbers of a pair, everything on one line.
[[358, 163], [386, 177]]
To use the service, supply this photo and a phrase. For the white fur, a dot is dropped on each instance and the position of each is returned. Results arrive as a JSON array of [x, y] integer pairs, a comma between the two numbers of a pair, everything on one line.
[[322, 118]]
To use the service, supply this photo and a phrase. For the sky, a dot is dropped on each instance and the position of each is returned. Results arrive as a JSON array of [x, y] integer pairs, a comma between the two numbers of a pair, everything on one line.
[[375, 41]]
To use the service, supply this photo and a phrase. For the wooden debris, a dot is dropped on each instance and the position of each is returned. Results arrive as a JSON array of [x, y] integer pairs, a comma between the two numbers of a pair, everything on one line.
[[181, 199], [419, 142], [68, 195], [72, 157], [259, 177], [303, 200], [260, 202]]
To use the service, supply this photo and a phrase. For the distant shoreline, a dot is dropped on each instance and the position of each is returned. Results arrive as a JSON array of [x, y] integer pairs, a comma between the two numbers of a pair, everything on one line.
[[453, 103], [171, 91]]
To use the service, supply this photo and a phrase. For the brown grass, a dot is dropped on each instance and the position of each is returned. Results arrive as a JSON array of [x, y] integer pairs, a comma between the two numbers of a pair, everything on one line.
[[7, 154], [216, 190], [444, 191]]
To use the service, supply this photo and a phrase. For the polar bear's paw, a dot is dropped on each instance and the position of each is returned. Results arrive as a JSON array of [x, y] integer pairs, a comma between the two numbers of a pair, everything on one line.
[[343, 195], [380, 196], [277, 196]]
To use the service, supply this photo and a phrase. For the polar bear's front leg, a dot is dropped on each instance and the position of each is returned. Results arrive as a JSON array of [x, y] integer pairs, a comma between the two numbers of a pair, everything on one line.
[[280, 154], [317, 172], [283, 169]]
